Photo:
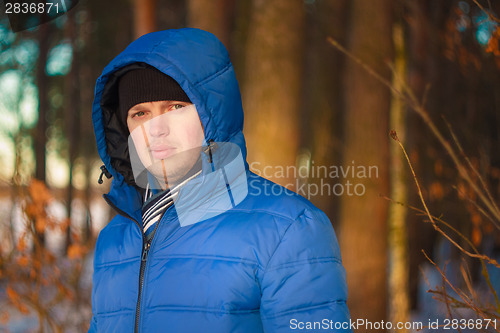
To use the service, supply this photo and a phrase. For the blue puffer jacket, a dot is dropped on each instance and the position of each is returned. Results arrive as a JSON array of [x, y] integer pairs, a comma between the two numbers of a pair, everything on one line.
[[270, 264]]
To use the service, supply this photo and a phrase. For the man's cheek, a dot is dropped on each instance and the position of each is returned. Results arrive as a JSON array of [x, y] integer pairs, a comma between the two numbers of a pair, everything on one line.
[[195, 136]]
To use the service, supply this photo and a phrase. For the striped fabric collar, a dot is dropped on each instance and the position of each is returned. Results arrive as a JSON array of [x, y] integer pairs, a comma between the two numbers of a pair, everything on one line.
[[156, 204]]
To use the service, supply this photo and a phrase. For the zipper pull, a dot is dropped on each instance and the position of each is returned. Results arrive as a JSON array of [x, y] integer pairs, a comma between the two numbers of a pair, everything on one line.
[[145, 251], [104, 172]]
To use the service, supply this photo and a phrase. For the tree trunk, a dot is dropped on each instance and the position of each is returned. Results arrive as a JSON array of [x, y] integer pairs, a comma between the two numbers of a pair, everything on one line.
[[421, 51], [272, 89], [322, 103], [88, 152], [144, 17], [213, 16], [73, 115], [399, 302], [42, 82], [43, 102], [363, 234]]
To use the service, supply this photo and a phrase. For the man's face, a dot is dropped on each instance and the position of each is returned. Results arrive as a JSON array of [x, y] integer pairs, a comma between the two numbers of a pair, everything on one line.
[[168, 136]]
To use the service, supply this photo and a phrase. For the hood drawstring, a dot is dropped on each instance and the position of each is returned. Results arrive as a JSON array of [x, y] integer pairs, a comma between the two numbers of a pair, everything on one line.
[[212, 146], [105, 172]]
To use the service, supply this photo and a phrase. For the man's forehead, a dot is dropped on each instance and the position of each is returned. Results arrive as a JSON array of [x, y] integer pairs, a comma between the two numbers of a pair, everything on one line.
[[147, 85]]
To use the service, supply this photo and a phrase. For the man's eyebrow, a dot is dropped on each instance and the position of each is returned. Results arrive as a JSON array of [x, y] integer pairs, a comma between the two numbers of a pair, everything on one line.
[[141, 107], [137, 107]]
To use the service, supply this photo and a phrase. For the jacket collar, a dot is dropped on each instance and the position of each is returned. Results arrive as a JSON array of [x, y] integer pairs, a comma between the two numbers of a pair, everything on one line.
[[221, 185]]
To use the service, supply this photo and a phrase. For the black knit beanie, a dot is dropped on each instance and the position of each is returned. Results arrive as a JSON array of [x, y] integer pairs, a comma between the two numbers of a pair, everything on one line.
[[147, 85]]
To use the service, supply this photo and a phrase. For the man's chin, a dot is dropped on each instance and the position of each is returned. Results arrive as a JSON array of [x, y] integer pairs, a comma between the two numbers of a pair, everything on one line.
[[167, 176], [173, 169]]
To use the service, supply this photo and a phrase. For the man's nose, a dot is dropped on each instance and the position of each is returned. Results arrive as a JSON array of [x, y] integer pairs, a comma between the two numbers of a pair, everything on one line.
[[159, 126]]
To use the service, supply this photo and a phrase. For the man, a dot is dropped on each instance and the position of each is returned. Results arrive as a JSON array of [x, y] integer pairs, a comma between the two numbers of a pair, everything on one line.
[[198, 244]]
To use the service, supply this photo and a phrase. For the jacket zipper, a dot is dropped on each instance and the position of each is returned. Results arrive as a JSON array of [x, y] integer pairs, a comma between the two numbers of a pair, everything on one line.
[[144, 256]]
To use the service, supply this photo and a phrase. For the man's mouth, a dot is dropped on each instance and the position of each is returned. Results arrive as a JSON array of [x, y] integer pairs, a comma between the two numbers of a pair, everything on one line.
[[161, 152]]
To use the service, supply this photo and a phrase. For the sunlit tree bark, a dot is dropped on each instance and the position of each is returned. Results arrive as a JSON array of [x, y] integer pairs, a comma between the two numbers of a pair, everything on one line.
[[399, 302], [144, 17], [272, 84], [363, 234], [214, 16]]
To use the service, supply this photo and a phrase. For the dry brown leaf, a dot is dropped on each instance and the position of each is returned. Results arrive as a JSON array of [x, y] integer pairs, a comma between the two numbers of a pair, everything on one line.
[[23, 261], [76, 251]]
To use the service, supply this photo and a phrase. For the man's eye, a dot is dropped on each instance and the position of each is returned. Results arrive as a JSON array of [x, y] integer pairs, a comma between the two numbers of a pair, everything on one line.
[[138, 114], [177, 106]]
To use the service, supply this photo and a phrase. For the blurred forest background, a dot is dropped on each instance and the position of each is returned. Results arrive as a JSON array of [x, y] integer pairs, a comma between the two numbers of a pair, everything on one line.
[[323, 82]]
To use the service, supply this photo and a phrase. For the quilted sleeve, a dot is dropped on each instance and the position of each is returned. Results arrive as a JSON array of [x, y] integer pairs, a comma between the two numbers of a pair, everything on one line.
[[93, 325], [93, 322], [304, 284]]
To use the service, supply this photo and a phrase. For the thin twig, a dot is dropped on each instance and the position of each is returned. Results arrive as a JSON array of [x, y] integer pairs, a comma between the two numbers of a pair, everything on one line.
[[476, 255], [367, 68], [425, 277], [471, 166], [464, 269], [445, 294], [460, 167], [464, 297], [409, 97], [482, 258], [490, 16], [459, 304], [431, 217], [475, 204]]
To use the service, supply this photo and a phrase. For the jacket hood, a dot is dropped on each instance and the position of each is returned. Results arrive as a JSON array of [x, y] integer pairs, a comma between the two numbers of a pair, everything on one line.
[[199, 62]]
